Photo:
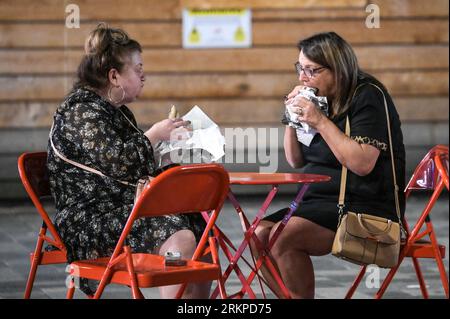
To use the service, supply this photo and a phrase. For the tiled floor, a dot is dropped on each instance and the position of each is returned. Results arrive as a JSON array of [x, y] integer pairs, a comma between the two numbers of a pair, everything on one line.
[[19, 226]]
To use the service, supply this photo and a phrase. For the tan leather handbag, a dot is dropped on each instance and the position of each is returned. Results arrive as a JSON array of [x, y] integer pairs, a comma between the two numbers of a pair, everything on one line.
[[362, 238]]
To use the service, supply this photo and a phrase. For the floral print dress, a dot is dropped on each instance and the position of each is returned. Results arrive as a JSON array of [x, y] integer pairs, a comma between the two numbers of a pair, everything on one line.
[[92, 210]]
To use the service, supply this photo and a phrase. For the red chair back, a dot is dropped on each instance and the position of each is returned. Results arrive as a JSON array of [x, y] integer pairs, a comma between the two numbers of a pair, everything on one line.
[[33, 173], [184, 189], [34, 176], [430, 170]]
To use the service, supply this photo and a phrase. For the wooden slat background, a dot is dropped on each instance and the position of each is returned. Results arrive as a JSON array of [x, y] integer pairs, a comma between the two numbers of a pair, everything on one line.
[[236, 87], [39, 55]]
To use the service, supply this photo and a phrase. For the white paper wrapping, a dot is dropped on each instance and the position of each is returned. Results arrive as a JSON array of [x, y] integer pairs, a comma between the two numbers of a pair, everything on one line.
[[205, 136], [304, 133]]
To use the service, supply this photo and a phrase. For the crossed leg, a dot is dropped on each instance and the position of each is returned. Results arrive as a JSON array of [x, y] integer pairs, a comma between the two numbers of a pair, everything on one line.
[[263, 234]]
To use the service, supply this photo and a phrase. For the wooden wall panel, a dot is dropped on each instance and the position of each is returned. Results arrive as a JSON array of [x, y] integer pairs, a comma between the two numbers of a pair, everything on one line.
[[233, 60], [39, 55], [54, 10], [237, 88], [25, 10], [165, 86], [270, 4], [392, 31], [11, 10], [226, 112], [265, 33]]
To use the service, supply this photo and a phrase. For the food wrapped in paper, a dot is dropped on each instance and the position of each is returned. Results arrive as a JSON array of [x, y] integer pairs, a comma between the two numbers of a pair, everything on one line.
[[310, 94], [305, 134], [204, 135]]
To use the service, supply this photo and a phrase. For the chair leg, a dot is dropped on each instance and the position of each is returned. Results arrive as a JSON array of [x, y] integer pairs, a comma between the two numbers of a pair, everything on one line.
[[181, 291], [37, 254], [216, 260], [70, 289], [443, 274], [438, 258], [356, 283], [31, 277], [390, 275], [136, 293], [423, 286], [102, 285]]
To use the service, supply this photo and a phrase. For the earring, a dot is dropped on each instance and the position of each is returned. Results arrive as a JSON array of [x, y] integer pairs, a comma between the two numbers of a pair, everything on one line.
[[110, 96]]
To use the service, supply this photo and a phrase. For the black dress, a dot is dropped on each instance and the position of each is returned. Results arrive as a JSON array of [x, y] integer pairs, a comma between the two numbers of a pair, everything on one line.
[[371, 194], [91, 210]]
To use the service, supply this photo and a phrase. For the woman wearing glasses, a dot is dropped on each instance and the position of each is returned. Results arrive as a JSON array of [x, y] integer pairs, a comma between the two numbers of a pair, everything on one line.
[[327, 62]]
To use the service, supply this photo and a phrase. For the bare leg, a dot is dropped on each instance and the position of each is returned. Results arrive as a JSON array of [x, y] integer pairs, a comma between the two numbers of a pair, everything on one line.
[[263, 233], [299, 240], [184, 242]]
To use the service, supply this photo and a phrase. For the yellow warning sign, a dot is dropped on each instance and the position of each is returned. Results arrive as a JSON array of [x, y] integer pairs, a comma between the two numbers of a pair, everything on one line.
[[217, 28]]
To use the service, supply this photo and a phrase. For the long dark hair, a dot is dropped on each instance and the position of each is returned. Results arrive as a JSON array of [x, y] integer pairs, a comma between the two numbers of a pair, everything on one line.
[[105, 49], [330, 50]]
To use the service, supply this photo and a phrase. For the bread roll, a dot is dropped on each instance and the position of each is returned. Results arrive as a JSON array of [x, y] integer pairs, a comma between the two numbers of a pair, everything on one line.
[[173, 114]]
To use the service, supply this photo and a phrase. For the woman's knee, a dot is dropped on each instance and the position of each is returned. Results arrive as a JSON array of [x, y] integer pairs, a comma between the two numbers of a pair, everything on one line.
[[292, 237], [263, 233], [286, 241], [263, 229], [182, 241], [302, 235]]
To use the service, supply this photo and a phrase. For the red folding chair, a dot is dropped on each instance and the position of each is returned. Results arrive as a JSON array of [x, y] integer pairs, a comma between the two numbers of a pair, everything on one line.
[[34, 176], [431, 174], [182, 189]]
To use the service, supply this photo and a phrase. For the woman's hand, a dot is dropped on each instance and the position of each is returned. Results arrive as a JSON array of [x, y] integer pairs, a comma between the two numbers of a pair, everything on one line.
[[307, 112], [295, 91], [163, 130]]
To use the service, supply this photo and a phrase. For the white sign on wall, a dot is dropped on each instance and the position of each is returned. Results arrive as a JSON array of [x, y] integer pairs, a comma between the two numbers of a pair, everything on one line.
[[217, 28]]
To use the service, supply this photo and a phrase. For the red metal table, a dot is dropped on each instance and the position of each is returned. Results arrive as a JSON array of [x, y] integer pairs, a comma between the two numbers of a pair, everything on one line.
[[274, 180]]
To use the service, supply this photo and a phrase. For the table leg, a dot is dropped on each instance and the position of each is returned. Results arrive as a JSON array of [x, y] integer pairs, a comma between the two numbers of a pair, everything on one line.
[[248, 234], [223, 241], [266, 253]]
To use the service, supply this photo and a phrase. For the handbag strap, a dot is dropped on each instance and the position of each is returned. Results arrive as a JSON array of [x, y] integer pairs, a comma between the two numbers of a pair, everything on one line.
[[341, 204], [82, 166], [343, 174]]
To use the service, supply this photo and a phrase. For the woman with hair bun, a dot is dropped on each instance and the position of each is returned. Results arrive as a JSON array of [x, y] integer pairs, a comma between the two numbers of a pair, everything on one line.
[[93, 127]]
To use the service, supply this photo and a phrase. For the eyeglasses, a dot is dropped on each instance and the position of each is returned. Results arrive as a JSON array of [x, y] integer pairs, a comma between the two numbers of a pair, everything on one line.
[[308, 71]]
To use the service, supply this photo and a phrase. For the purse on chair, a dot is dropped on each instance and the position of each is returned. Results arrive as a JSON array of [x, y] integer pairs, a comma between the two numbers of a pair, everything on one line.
[[366, 239]]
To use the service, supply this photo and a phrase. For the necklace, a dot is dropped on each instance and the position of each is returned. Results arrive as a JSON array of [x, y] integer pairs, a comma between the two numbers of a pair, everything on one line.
[[129, 121], [98, 93]]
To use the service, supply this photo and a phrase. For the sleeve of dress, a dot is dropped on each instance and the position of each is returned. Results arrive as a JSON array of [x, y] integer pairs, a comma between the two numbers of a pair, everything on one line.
[[368, 118], [114, 153]]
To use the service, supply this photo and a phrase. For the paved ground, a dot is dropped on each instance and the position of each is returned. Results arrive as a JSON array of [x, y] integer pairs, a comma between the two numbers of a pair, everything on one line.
[[19, 226]]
